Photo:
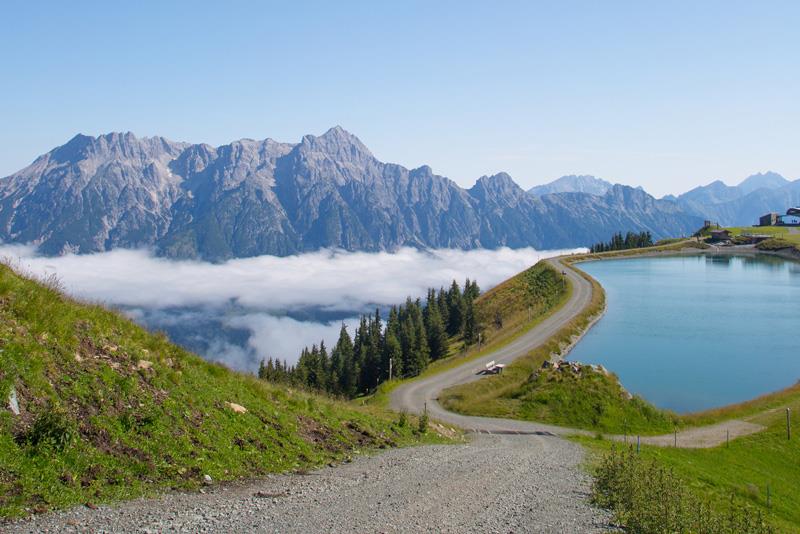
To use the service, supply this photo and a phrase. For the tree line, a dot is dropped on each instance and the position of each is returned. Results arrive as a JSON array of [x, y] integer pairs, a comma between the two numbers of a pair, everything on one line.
[[618, 242], [414, 334]]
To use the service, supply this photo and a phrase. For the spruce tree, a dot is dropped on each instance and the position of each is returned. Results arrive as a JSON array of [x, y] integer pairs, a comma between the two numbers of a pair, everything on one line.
[[455, 309], [470, 324], [434, 328]]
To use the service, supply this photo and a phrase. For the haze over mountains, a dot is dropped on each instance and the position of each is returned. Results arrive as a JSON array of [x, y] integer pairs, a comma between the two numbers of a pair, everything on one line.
[[741, 205], [573, 184]]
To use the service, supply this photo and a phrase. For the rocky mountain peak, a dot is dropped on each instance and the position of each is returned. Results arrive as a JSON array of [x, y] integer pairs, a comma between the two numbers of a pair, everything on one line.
[[254, 197], [498, 188], [573, 183], [768, 180], [337, 143]]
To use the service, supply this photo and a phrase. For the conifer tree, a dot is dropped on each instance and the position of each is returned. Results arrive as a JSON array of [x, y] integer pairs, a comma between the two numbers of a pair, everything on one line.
[[455, 309], [470, 325], [434, 328]]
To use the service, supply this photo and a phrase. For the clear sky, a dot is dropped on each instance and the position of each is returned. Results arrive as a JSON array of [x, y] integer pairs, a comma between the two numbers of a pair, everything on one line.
[[666, 95]]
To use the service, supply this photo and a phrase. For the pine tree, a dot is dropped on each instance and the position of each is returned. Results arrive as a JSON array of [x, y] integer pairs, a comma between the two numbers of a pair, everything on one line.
[[348, 370], [444, 311], [392, 352], [455, 309], [434, 328], [421, 349], [470, 325]]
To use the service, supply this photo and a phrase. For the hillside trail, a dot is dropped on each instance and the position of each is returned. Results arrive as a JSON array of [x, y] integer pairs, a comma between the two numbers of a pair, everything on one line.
[[495, 484], [418, 395]]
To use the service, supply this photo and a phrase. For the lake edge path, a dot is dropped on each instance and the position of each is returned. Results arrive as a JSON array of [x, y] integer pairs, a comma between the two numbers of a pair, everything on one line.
[[414, 396]]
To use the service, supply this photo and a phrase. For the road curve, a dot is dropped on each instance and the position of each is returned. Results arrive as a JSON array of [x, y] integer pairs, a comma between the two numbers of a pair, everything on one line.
[[413, 396]]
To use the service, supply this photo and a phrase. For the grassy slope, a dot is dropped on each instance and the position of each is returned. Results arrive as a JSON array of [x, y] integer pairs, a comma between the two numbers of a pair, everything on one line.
[[523, 301], [743, 470], [591, 400], [498, 396], [782, 237], [109, 411], [512, 394]]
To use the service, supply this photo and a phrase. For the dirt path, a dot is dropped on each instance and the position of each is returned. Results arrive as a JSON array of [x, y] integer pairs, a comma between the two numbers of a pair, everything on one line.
[[415, 395], [492, 484]]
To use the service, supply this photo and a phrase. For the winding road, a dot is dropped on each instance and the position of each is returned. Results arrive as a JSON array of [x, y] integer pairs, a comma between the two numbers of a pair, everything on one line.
[[415, 395]]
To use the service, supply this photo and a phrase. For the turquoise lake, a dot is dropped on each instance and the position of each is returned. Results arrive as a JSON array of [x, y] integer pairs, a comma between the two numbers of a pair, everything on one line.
[[695, 332]]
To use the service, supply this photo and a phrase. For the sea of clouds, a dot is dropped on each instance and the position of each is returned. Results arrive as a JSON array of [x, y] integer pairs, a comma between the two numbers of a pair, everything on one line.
[[243, 310]]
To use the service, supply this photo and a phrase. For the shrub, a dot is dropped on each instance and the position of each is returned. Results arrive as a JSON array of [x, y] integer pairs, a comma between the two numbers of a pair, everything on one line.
[[646, 497], [53, 429], [403, 421], [423, 422]]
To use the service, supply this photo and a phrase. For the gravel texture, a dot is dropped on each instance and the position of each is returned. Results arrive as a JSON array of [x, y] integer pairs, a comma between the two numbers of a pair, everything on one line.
[[494, 483]]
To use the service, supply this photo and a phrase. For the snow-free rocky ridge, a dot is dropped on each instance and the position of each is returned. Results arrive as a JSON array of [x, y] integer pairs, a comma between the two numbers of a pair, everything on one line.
[[250, 198]]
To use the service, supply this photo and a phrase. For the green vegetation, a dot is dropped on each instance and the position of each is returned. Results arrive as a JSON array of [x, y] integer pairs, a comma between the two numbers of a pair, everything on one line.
[[495, 396], [503, 313], [671, 247], [415, 335], [669, 241], [631, 240], [759, 470], [783, 237], [109, 411], [590, 399], [647, 497], [778, 243]]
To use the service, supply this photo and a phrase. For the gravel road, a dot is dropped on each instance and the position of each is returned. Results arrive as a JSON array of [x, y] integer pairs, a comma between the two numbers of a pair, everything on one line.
[[494, 483], [413, 396]]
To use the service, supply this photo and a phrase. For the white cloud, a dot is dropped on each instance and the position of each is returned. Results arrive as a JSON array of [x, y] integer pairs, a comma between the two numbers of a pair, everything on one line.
[[285, 337], [265, 288]]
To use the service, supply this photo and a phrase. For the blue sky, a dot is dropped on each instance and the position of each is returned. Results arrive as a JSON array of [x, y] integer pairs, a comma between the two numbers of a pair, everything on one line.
[[661, 94]]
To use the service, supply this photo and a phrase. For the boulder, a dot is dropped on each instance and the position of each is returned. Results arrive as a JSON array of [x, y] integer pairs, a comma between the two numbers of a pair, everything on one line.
[[238, 408], [13, 402]]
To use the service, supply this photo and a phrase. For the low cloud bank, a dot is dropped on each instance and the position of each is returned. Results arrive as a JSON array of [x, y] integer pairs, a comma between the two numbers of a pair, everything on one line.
[[280, 303]]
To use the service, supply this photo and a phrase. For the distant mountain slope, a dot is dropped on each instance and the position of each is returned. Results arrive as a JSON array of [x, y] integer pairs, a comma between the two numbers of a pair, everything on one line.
[[765, 180], [573, 184], [743, 204], [263, 197]]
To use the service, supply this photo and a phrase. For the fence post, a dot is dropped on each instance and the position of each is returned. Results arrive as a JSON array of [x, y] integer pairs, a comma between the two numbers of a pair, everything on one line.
[[638, 444], [676, 439], [788, 425], [727, 438]]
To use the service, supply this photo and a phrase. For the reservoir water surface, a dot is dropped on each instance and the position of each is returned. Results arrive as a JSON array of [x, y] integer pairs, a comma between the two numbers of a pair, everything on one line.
[[695, 332]]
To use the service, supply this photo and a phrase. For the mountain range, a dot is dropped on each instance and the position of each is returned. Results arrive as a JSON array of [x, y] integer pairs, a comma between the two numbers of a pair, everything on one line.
[[743, 204], [253, 197]]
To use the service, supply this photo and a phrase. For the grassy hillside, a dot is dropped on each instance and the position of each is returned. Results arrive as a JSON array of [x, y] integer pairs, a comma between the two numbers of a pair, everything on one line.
[[499, 395], [589, 399], [782, 237], [741, 471], [109, 411], [591, 402], [504, 313]]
